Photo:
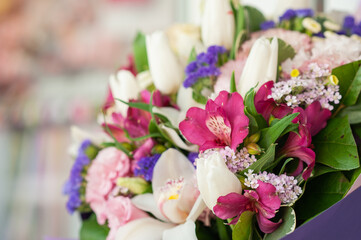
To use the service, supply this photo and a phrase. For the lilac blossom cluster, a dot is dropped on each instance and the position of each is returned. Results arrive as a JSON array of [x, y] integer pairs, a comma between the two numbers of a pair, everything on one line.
[[286, 186], [235, 161], [206, 65], [308, 88], [74, 184]]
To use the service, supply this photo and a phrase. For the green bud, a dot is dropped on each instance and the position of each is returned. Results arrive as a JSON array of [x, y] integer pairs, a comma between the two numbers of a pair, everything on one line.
[[253, 149], [254, 137], [135, 185], [157, 149], [91, 151], [128, 146]]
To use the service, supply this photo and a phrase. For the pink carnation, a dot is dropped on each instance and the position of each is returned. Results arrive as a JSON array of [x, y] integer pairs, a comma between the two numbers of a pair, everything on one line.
[[119, 211], [109, 165]]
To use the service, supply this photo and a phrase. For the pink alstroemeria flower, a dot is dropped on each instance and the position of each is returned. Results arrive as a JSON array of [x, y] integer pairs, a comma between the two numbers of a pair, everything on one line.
[[263, 201], [317, 117], [299, 145], [222, 123], [267, 106]]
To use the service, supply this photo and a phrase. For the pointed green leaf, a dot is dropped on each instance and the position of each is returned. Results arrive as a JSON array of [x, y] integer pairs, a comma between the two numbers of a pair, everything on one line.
[[243, 229], [192, 56], [265, 161], [140, 53], [271, 134], [254, 18], [138, 105], [222, 229], [285, 51], [335, 146], [287, 226], [233, 84]]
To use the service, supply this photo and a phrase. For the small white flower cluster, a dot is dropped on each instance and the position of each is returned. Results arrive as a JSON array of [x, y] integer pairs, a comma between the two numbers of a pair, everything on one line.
[[286, 186], [237, 161], [302, 91]]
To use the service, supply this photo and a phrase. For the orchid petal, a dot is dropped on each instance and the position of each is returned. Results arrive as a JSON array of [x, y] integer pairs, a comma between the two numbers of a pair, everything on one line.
[[147, 203], [178, 141], [181, 232], [143, 228], [197, 209]]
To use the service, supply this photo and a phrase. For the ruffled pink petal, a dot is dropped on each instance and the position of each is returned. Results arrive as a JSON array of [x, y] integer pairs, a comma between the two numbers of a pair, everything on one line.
[[317, 117], [267, 195], [195, 130], [233, 204], [234, 109], [266, 225]]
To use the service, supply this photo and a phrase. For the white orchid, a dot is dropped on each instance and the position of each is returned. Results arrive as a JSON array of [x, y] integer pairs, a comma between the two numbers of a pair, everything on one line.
[[175, 202], [166, 71], [261, 65]]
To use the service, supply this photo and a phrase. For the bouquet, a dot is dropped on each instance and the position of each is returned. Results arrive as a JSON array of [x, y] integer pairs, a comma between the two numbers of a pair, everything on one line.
[[241, 128]]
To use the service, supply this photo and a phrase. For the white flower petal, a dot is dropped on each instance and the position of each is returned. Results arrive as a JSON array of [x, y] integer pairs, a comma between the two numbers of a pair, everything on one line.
[[147, 203], [173, 135], [186, 231]]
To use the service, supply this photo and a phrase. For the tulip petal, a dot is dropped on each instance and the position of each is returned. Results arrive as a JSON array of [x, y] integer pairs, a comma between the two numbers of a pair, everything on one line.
[[147, 203], [181, 232], [124, 87], [272, 64], [144, 228]]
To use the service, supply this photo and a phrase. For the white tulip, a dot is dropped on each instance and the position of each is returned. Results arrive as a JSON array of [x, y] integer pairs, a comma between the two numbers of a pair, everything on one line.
[[144, 79], [164, 66], [183, 38], [215, 179], [123, 86], [261, 65], [218, 25]]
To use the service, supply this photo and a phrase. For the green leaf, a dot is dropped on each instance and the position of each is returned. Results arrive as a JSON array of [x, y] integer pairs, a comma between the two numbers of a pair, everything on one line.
[[284, 165], [353, 113], [287, 226], [335, 145], [285, 51], [233, 84], [265, 161], [271, 134], [254, 18], [243, 229], [249, 105], [253, 125], [138, 105], [91, 230], [349, 76], [199, 98], [140, 53], [321, 169], [192, 56], [222, 229], [240, 30], [322, 192]]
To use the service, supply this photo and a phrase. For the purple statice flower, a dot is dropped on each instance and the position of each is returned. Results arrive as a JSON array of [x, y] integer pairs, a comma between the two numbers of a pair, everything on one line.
[[348, 22], [319, 34], [304, 12], [267, 25], [192, 156], [290, 13], [356, 30], [205, 65], [73, 184], [145, 167]]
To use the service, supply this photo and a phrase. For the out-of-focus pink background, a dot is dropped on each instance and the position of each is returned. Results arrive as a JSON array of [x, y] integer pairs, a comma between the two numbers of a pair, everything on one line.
[[55, 59]]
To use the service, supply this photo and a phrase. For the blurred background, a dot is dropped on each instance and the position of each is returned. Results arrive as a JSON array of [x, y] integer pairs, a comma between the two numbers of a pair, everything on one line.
[[55, 59]]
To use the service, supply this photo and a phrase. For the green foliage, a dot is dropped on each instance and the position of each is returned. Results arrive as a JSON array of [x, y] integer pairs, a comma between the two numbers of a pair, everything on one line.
[[265, 161], [349, 76], [257, 122], [322, 192], [253, 19], [233, 84], [335, 146], [243, 229], [287, 226], [91, 230], [140, 53], [285, 51], [271, 134]]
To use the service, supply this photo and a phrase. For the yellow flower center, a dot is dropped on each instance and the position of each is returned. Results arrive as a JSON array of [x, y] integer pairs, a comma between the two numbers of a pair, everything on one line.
[[295, 73]]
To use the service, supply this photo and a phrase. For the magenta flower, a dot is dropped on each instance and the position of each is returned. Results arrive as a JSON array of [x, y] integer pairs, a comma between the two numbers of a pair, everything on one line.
[[317, 117], [267, 106], [263, 201], [299, 145], [222, 123]]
